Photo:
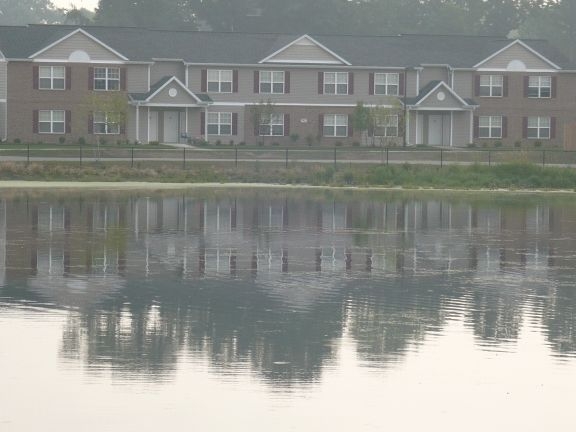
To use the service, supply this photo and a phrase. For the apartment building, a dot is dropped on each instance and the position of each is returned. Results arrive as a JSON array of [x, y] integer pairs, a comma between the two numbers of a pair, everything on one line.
[[65, 83]]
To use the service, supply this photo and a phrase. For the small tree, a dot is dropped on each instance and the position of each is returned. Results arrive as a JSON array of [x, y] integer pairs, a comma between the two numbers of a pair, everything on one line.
[[114, 105], [380, 115], [261, 114], [361, 120]]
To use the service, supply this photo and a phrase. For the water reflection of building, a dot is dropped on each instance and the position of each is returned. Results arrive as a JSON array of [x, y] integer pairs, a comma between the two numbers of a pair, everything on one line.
[[145, 274]]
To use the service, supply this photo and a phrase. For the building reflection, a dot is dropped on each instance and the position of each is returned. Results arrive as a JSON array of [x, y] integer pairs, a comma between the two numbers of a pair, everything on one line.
[[273, 280]]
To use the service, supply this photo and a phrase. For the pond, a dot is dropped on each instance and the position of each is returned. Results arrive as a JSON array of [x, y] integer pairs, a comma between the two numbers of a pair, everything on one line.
[[289, 311]]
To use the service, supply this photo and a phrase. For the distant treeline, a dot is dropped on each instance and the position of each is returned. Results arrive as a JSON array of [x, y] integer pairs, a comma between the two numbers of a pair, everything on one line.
[[554, 20]]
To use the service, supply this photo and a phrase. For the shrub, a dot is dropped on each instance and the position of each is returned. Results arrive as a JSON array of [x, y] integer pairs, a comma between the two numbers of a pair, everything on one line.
[[338, 144], [294, 137], [62, 140], [102, 141], [275, 143], [154, 143], [537, 144], [357, 144], [471, 145], [498, 143], [242, 143], [518, 144], [81, 141], [218, 142], [309, 140], [17, 141], [261, 143], [231, 142]]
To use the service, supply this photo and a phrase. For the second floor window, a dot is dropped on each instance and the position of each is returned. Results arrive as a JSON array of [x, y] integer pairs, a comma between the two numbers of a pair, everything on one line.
[[51, 77], [539, 87], [219, 123], [272, 125], [491, 85], [387, 127], [106, 123], [336, 83], [219, 81], [52, 121], [107, 78], [386, 84], [490, 127], [335, 125], [538, 127], [272, 82]]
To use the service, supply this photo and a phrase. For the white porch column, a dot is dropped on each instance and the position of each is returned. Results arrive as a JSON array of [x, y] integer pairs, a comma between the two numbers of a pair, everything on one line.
[[148, 125], [137, 123], [186, 121], [407, 126], [471, 126], [451, 128], [206, 123], [416, 129]]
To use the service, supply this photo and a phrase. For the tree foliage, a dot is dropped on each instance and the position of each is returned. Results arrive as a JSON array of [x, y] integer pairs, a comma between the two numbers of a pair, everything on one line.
[[18, 12]]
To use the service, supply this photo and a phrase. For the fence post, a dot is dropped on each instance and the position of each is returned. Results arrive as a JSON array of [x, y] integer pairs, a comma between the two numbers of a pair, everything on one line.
[[235, 157], [132, 158], [184, 158], [543, 158], [387, 156], [441, 158], [80, 154], [28, 156], [489, 158], [286, 159], [334, 158]]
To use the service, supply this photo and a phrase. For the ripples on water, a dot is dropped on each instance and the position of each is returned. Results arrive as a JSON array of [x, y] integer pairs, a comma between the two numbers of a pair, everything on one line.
[[284, 295]]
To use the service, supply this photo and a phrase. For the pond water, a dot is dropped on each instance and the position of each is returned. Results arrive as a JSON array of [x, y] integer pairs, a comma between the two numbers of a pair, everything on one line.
[[286, 311]]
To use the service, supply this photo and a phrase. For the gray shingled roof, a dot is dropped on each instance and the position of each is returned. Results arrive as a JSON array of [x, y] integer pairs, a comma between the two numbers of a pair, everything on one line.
[[249, 48]]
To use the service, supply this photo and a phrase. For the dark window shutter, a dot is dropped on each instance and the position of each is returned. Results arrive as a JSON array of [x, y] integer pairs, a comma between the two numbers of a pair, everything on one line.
[[321, 125], [476, 126], [203, 123], [256, 126], [287, 82], [90, 123], [320, 82], [477, 85], [524, 127], [204, 81], [256, 82], [526, 85], [90, 78], [234, 123], [552, 127], [504, 127], [350, 126], [554, 87], [68, 119], [68, 77], [286, 124], [35, 121], [505, 86], [401, 83], [235, 81], [371, 83], [350, 83], [35, 77], [123, 78]]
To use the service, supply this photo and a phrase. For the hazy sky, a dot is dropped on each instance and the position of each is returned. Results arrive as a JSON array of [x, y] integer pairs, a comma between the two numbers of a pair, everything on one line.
[[88, 4]]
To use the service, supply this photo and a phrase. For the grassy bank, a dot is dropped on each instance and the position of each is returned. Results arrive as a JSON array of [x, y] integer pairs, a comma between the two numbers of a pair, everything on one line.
[[509, 176]]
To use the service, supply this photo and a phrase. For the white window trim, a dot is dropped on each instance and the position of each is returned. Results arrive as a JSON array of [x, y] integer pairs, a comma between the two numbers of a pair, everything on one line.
[[272, 82], [387, 76], [107, 79], [539, 128], [385, 125], [51, 78], [220, 123], [220, 81], [335, 126], [491, 86], [51, 122], [540, 86], [106, 123], [273, 120], [336, 75], [490, 127]]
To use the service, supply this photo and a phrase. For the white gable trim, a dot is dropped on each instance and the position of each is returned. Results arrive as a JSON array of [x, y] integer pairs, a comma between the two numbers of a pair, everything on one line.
[[85, 33], [524, 45], [168, 82], [452, 92], [269, 59]]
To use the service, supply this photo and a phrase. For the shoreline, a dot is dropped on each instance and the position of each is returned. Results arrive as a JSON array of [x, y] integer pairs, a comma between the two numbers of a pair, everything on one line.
[[141, 185]]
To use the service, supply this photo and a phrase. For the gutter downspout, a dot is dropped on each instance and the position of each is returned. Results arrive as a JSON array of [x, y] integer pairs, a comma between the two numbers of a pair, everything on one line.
[[405, 143]]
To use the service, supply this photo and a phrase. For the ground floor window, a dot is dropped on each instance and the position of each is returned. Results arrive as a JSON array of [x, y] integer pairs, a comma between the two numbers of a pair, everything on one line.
[[490, 127], [106, 123], [387, 126], [219, 123], [335, 125], [272, 125], [52, 121], [538, 127]]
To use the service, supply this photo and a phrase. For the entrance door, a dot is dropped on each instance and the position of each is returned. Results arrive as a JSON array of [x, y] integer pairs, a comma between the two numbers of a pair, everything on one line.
[[153, 126], [171, 126], [435, 129]]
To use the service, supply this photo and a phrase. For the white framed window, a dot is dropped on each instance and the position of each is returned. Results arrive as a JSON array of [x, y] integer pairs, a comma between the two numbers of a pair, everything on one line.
[[490, 127], [219, 123], [387, 84], [272, 82], [107, 78], [52, 121], [335, 125], [538, 128], [336, 83], [272, 126], [491, 85], [219, 80], [106, 123], [387, 127], [540, 86], [51, 77]]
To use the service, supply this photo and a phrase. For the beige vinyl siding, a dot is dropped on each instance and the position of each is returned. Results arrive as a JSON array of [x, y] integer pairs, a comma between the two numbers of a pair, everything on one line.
[[516, 52], [79, 42], [3, 125], [305, 53], [411, 84], [464, 83], [161, 69], [182, 97], [3, 79], [137, 81], [434, 73], [449, 102]]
